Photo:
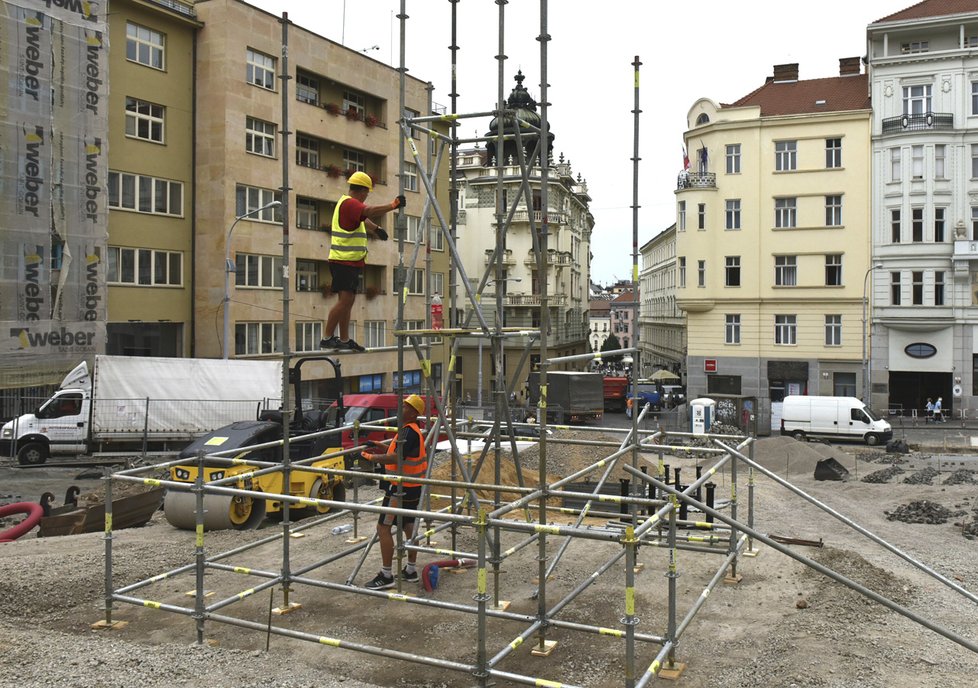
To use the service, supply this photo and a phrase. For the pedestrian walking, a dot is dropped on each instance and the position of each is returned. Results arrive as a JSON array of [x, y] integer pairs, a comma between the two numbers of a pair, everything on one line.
[[929, 407], [938, 412]]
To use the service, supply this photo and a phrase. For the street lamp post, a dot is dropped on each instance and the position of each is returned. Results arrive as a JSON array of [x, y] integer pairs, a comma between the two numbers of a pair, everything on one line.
[[865, 361], [229, 267]]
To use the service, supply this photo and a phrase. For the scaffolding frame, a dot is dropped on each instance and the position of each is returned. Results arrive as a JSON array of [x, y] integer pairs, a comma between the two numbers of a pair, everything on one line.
[[651, 514]]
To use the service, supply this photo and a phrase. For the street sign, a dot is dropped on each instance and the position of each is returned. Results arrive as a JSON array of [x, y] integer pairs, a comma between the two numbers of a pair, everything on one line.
[[709, 365]]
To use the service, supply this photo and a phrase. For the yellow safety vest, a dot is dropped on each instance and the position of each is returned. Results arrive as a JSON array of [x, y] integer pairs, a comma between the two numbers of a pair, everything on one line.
[[348, 245]]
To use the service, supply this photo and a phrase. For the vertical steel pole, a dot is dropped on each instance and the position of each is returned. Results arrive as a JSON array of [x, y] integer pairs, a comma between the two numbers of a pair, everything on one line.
[[199, 557], [637, 361], [286, 316], [672, 575], [481, 597], [108, 549], [453, 237], [630, 620]]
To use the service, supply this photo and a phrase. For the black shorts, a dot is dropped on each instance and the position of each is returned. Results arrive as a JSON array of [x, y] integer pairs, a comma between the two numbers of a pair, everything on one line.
[[412, 495], [345, 277]]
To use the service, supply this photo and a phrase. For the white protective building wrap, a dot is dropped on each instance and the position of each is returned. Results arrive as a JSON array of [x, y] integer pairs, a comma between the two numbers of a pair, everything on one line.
[[53, 216]]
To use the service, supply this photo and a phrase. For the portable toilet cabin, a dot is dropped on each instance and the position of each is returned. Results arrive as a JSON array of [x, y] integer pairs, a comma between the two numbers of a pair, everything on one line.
[[701, 415]]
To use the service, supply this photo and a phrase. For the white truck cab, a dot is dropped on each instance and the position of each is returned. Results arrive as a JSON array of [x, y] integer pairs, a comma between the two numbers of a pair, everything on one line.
[[833, 418]]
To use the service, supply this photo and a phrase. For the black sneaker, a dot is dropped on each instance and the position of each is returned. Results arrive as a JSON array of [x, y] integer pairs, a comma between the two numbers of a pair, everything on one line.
[[330, 343], [380, 582], [409, 577], [350, 345]]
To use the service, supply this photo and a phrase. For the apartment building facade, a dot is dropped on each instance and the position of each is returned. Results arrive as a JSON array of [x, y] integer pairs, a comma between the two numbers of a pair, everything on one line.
[[343, 116], [773, 239], [662, 326], [923, 66]]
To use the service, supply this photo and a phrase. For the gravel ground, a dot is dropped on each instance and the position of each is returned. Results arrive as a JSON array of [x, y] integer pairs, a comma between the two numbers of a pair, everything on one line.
[[783, 625]]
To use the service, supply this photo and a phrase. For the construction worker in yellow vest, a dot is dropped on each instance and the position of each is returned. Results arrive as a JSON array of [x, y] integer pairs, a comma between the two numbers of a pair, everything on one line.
[[414, 463], [352, 220]]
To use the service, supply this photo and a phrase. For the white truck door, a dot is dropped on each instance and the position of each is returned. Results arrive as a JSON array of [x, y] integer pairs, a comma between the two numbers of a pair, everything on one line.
[[64, 420]]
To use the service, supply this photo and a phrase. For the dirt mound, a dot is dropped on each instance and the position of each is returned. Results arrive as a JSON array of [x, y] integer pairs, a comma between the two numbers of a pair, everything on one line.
[[786, 455]]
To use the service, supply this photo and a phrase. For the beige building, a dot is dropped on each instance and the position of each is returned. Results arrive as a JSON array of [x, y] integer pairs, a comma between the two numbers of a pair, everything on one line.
[[773, 239], [662, 326], [343, 115], [150, 183]]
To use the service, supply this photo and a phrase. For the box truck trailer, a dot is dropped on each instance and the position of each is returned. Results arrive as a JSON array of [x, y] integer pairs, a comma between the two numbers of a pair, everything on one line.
[[131, 403]]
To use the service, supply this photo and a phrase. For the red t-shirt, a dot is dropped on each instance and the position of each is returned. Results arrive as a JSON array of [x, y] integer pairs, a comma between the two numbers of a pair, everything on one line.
[[351, 215]]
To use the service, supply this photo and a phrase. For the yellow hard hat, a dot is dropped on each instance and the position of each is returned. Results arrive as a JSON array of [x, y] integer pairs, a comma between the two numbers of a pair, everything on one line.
[[416, 402], [361, 179]]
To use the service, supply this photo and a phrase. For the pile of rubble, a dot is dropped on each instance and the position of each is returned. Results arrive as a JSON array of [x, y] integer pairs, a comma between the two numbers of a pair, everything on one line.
[[962, 476], [922, 511], [883, 476], [925, 476]]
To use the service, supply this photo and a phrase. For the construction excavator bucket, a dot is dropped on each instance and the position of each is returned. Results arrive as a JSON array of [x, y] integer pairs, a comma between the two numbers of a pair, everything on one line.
[[830, 469]]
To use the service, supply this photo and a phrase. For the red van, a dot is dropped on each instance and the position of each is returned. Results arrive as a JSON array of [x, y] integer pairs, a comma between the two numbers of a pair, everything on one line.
[[373, 409]]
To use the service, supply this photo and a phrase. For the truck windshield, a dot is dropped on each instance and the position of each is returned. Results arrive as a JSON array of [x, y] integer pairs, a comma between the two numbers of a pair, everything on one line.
[[353, 413]]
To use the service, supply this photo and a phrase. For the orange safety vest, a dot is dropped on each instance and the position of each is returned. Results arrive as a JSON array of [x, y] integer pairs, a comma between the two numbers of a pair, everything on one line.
[[411, 465]]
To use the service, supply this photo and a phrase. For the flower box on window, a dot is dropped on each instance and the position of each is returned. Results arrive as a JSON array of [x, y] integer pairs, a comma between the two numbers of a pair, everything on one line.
[[332, 108]]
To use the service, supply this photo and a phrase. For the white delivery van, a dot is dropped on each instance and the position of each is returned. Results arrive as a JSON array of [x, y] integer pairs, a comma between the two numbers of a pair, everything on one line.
[[832, 418]]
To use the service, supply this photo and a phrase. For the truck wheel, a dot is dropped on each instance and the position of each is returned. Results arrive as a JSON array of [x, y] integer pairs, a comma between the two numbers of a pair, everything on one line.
[[872, 439], [325, 490], [32, 454], [799, 435]]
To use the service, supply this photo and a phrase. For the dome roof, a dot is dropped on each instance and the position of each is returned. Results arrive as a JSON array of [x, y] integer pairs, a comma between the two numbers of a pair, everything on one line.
[[521, 101]]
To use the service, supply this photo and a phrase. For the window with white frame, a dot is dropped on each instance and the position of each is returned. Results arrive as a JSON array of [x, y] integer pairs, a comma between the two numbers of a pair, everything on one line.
[[917, 99], [914, 47], [411, 114], [833, 270], [417, 284], [833, 211], [939, 288], [306, 151], [375, 333], [144, 267], [257, 338], [732, 215], [785, 212], [732, 271], [354, 160], [437, 238], [353, 101], [917, 162], [939, 223], [307, 88], [682, 216], [144, 194], [259, 137], [785, 155], [974, 161], [701, 273], [785, 329], [896, 169], [410, 176], [412, 230], [833, 330], [974, 97], [733, 158], [896, 296], [250, 198], [306, 275], [786, 271], [257, 271], [308, 335], [260, 70], [438, 283], [144, 120], [917, 224], [306, 213], [896, 226], [833, 153], [917, 287], [144, 45], [701, 215], [974, 223], [682, 271], [731, 328], [940, 158]]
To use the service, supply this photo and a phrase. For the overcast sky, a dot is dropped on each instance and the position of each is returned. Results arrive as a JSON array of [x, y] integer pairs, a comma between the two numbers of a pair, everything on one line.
[[719, 49]]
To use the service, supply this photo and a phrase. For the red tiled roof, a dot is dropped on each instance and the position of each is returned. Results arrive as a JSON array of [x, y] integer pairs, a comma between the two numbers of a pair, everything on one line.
[[932, 8], [600, 305], [799, 97], [625, 297]]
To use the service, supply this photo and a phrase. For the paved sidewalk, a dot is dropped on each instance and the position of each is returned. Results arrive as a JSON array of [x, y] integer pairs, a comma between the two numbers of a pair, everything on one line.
[[956, 435]]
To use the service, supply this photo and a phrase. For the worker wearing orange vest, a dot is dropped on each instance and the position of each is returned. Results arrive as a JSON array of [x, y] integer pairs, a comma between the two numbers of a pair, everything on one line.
[[414, 463], [352, 220]]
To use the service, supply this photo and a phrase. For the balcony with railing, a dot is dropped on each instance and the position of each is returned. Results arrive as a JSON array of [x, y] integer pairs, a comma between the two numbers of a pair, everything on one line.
[[533, 299], [554, 258], [696, 180], [553, 218], [507, 257], [923, 121]]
